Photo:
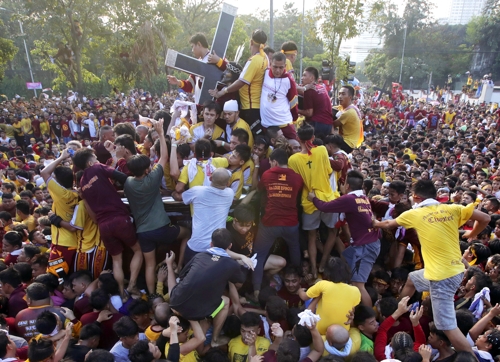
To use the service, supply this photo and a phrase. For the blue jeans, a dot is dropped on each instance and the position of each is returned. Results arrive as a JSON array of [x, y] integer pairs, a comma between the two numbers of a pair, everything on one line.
[[264, 242], [321, 128]]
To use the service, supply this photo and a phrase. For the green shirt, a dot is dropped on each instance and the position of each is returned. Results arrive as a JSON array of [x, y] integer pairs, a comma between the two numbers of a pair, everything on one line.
[[366, 344], [145, 200]]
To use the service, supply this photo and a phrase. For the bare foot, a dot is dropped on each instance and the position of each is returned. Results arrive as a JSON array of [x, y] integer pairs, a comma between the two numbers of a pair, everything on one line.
[[134, 291], [221, 341]]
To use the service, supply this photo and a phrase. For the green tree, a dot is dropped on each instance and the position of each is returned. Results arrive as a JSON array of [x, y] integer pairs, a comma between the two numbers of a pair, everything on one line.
[[339, 20], [7, 51]]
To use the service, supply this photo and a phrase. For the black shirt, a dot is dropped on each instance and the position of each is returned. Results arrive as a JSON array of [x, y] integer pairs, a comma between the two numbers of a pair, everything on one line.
[[202, 283], [242, 244]]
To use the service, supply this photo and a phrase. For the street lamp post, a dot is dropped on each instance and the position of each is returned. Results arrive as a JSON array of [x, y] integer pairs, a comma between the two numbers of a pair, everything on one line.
[[302, 37], [411, 88], [403, 54], [25, 48], [271, 25]]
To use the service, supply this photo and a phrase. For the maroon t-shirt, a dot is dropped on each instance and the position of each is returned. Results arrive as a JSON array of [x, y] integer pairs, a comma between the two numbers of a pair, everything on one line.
[[101, 152], [100, 194], [292, 300], [109, 337], [282, 187], [358, 214], [65, 131], [318, 100]]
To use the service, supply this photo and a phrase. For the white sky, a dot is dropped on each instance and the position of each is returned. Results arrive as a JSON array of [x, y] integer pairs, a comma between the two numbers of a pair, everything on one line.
[[441, 8]]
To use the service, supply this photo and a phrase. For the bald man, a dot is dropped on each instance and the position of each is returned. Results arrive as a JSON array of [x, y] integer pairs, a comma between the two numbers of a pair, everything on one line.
[[210, 209], [338, 341]]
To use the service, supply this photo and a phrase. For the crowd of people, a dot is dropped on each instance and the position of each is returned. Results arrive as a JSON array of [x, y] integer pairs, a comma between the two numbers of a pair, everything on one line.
[[363, 232]]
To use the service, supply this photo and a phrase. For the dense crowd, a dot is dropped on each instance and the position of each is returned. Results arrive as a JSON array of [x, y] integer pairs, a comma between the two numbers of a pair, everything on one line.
[[364, 232]]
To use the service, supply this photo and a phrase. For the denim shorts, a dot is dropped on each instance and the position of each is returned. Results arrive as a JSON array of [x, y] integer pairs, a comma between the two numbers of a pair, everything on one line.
[[442, 297], [361, 259]]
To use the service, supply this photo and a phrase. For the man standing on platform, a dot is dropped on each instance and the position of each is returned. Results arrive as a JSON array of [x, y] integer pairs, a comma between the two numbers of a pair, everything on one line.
[[279, 99], [317, 105], [250, 82], [199, 46], [349, 120]]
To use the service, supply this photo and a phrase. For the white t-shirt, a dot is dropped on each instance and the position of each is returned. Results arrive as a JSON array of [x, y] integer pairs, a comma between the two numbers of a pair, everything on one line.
[[91, 125], [121, 353], [274, 102], [210, 209]]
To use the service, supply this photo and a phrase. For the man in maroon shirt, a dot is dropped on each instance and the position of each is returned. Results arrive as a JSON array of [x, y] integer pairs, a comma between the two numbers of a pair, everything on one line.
[[317, 105], [12, 288], [112, 216], [292, 285], [365, 243], [38, 299], [105, 316], [105, 134], [282, 186]]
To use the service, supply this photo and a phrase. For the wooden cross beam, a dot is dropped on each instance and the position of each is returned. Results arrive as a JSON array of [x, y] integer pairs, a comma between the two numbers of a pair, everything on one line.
[[209, 72]]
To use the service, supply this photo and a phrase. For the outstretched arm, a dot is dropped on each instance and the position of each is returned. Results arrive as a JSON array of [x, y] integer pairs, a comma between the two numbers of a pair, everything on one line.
[[48, 170]]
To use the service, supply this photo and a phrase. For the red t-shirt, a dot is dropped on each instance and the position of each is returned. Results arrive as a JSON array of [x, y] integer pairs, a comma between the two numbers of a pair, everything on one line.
[[97, 187], [282, 187], [65, 131], [109, 337], [318, 100], [420, 113], [35, 123]]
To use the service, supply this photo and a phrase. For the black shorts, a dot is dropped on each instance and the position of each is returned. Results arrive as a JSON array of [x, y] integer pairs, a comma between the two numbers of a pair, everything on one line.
[[345, 147], [252, 117], [150, 240]]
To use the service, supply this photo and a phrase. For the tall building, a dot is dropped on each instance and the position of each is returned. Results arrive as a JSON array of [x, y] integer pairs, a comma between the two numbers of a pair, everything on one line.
[[462, 11]]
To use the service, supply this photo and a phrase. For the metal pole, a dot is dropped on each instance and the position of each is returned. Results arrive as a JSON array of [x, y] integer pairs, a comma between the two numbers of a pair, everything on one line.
[[411, 80], [271, 26], [402, 55], [27, 54], [302, 38]]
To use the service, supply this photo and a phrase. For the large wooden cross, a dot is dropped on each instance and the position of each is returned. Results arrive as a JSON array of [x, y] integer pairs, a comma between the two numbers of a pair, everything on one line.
[[209, 72]]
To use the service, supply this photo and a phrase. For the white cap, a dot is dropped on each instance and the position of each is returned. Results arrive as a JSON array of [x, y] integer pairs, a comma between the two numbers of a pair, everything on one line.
[[231, 106]]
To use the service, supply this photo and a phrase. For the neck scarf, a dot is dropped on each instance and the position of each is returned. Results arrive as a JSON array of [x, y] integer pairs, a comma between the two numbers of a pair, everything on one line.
[[218, 251], [342, 353], [207, 169], [426, 202]]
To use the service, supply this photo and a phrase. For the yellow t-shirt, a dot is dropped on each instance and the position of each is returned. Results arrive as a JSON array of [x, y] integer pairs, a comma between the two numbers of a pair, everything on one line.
[[87, 235], [437, 229], [198, 131], [315, 170], [169, 181], [288, 65], [198, 180], [351, 128], [26, 125], [253, 77], [190, 357], [248, 169], [238, 351], [448, 118], [240, 123], [18, 128], [331, 308], [9, 130], [64, 204], [236, 183], [30, 223], [44, 128]]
